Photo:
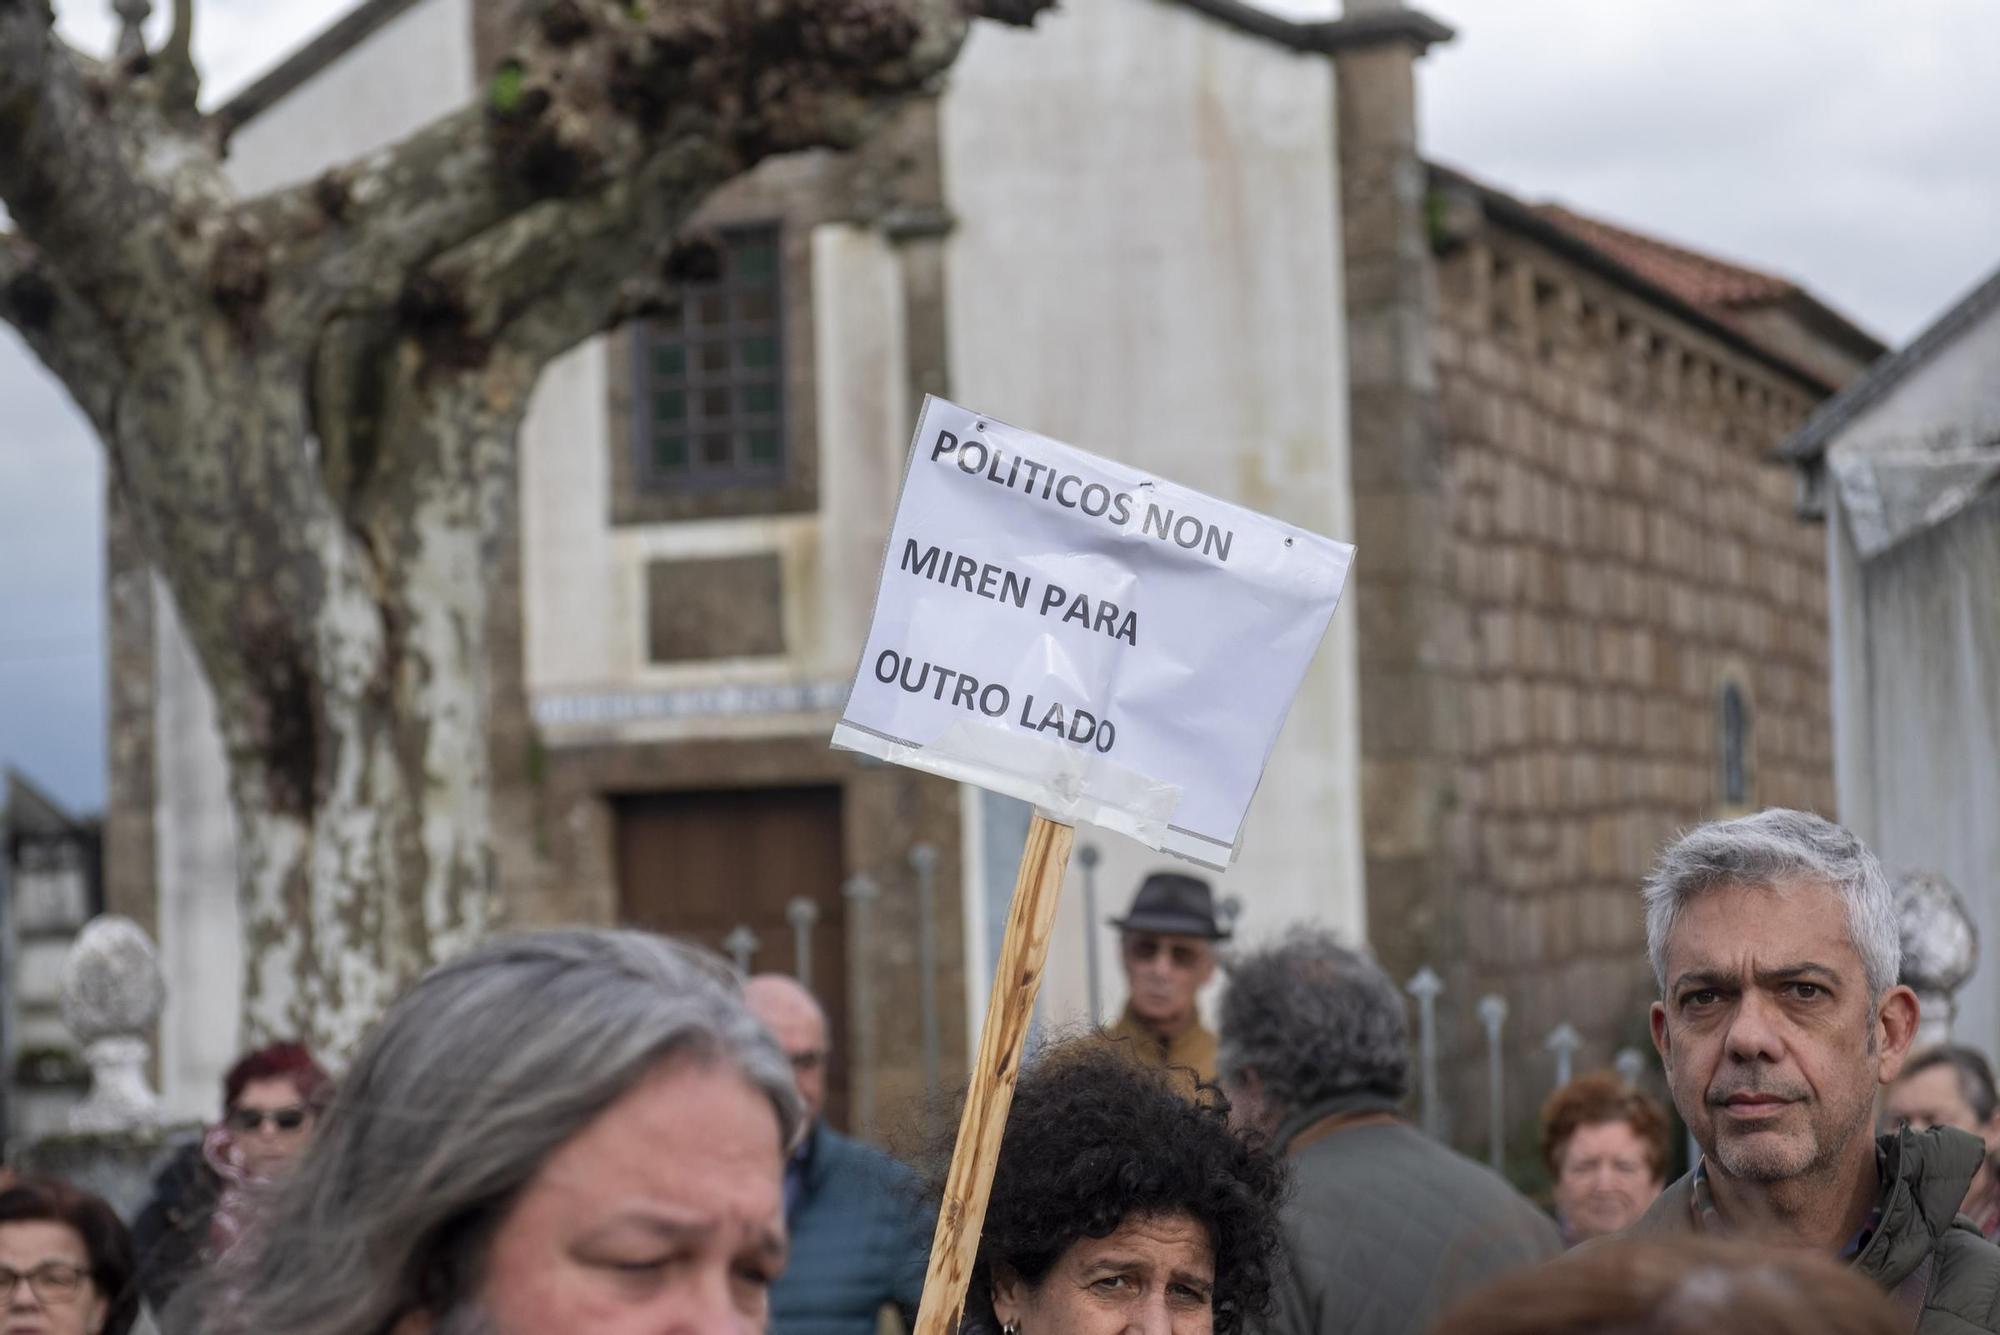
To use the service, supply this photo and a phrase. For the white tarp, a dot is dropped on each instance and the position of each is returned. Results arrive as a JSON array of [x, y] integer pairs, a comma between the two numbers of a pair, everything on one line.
[[1893, 491], [1084, 636]]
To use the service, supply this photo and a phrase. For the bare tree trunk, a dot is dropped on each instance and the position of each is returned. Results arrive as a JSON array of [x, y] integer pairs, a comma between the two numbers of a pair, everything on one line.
[[310, 400]]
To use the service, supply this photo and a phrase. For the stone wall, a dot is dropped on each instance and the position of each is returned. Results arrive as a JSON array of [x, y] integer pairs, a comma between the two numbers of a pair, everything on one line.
[[1619, 549]]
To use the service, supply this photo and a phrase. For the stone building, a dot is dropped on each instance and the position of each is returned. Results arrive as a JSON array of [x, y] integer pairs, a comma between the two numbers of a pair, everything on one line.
[[1198, 238], [1904, 465], [1587, 613], [50, 886], [1074, 232]]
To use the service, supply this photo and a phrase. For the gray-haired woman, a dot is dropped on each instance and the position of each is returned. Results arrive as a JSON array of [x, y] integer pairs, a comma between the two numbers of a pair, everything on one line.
[[575, 1130]]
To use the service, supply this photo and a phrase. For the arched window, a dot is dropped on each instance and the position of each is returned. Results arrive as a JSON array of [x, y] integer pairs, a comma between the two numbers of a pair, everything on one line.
[[1734, 713]]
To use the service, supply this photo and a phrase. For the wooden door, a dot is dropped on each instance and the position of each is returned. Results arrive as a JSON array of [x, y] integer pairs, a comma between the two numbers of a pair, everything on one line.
[[700, 865]]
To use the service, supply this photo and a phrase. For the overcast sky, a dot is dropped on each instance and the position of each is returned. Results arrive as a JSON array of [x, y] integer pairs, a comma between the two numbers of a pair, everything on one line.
[[1847, 146]]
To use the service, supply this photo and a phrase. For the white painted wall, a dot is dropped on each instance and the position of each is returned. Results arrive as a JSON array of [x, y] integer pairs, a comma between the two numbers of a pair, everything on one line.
[[1147, 265], [1919, 719], [405, 74], [584, 580], [201, 937], [1916, 663], [413, 69], [1958, 387]]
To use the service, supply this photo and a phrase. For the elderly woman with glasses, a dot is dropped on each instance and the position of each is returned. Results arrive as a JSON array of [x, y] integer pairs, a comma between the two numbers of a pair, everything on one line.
[[65, 1262]]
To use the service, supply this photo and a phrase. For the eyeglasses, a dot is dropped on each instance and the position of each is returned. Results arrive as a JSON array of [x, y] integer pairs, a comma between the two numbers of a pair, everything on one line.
[[1183, 954], [248, 1120], [805, 1063], [54, 1282]]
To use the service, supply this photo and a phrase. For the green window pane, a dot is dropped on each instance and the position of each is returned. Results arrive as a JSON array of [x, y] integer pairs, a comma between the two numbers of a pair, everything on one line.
[[670, 361], [715, 356], [670, 453], [715, 452], [670, 405], [755, 259], [763, 448], [759, 352], [760, 398], [715, 403]]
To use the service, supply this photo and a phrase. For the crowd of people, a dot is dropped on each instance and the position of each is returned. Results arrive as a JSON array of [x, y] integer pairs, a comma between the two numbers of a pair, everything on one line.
[[610, 1132]]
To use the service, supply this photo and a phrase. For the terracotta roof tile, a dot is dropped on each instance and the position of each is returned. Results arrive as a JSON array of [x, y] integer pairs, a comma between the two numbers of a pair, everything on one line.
[[1700, 280]]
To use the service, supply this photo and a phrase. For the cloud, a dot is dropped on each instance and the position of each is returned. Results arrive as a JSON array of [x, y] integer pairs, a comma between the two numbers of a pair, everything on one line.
[[234, 40], [1843, 146]]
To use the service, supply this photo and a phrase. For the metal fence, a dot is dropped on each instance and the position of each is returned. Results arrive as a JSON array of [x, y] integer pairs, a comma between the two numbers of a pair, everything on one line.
[[862, 892], [1560, 1042]]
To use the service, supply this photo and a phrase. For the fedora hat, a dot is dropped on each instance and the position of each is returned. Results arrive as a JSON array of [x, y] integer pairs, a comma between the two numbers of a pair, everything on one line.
[[1173, 904]]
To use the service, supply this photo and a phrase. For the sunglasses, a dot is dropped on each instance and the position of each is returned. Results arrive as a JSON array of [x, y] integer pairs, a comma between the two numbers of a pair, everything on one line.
[[281, 1119], [1182, 954]]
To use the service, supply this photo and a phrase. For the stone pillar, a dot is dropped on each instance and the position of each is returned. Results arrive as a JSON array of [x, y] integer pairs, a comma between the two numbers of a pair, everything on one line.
[[131, 887], [1408, 724], [112, 992]]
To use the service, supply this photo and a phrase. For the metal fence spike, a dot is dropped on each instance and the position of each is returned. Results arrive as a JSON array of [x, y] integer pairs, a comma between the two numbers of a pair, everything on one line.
[[1425, 986], [1493, 1014]]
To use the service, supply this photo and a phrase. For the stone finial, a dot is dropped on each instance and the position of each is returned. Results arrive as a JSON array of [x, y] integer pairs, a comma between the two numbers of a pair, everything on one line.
[[1940, 940], [1940, 949], [1563, 1041], [742, 945], [112, 994], [132, 38]]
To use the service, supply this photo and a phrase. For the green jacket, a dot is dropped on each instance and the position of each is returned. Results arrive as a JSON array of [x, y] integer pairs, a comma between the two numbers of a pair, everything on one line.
[[1925, 1255], [1385, 1227]]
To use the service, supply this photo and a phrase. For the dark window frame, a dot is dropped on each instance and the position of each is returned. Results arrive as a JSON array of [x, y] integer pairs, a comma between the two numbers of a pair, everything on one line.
[[1734, 723], [735, 380]]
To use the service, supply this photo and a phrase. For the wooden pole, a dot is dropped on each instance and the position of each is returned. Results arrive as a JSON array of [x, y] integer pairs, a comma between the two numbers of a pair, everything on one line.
[[1009, 1009]]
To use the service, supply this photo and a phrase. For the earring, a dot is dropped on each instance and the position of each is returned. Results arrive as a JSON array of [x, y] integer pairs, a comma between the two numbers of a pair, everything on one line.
[[1010, 1328]]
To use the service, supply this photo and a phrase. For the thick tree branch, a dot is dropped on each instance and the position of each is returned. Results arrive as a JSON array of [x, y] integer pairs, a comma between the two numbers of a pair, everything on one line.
[[63, 174], [594, 94], [356, 233], [61, 328]]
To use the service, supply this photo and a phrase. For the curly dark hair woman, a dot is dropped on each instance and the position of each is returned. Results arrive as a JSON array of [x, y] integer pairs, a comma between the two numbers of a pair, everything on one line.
[[1114, 1195]]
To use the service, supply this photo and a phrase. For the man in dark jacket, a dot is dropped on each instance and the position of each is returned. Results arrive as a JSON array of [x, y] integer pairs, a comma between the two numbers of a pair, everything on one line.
[[1775, 943], [1385, 1227], [859, 1240]]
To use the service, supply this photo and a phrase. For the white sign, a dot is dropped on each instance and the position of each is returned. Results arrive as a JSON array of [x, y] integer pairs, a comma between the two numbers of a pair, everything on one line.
[[1084, 636]]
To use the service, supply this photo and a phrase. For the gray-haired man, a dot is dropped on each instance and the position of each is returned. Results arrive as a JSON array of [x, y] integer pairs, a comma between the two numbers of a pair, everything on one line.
[[1385, 1226], [1775, 944]]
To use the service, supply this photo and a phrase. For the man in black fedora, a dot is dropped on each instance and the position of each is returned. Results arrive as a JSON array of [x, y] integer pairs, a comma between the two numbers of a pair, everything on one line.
[[1168, 948]]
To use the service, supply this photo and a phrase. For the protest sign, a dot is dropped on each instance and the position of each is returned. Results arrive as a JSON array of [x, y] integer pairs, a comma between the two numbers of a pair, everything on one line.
[[1097, 641], [1070, 631]]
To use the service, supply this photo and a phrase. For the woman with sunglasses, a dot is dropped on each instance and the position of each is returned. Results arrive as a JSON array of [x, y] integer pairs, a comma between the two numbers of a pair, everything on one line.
[[65, 1263], [271, 1101]]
